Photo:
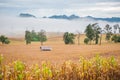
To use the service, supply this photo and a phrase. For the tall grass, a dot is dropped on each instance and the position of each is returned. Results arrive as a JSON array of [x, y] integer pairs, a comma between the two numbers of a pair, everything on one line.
[[97, 68]]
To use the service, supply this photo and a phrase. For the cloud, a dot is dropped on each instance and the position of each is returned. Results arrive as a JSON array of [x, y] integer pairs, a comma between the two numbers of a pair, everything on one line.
[[102, 8]]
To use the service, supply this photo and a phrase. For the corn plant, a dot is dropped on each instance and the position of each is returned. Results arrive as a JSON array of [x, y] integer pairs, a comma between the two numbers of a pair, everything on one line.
[[1, 73], [96, 68]]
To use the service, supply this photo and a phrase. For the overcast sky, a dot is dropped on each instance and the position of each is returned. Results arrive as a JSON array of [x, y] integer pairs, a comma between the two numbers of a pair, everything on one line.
[[39, 8]]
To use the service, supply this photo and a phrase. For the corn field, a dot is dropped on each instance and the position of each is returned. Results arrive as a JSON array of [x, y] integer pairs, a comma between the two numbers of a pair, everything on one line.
[[96, 68]]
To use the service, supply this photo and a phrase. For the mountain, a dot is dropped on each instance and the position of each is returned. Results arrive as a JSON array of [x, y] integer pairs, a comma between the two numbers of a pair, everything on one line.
[[64, 17], [113, 19], [26, 15]]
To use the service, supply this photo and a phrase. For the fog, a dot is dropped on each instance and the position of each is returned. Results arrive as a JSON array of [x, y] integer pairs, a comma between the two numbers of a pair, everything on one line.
[[16, 26]]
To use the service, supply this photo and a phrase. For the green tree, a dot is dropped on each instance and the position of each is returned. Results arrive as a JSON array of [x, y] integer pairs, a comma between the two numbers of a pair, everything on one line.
[[101, 31], [90, 32], [97, 31], [78, 37], [108, 31], [116, 26], [68, 38], [42, 36], [28, 37], [4, 39]]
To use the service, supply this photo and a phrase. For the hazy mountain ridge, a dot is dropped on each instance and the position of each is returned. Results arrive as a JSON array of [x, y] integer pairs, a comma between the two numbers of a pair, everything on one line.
[[113, 19], [72, 17], [26, 15], [64, 17]]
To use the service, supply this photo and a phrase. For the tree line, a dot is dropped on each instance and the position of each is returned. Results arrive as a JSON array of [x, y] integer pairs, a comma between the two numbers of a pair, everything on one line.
[[94, 33], [35, 36]]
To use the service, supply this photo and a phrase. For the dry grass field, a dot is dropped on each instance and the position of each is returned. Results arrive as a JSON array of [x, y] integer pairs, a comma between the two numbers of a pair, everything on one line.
[[31, 54]]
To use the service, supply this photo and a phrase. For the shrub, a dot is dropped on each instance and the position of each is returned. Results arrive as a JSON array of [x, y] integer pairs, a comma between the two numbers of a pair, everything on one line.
[[4, 40], [86, 40], [116, 38]]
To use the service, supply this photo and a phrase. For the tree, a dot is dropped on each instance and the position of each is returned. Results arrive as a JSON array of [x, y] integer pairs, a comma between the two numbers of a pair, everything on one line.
[[34, 36], [97, 31], [119, 29], [68, 38], [116, 26], [42, 36], [4, 39], [28, 37], [90, 33], [108, 30], [101, 31], [78, 37]]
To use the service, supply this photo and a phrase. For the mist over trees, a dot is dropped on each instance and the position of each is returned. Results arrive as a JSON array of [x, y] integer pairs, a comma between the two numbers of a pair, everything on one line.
[[93, 33]]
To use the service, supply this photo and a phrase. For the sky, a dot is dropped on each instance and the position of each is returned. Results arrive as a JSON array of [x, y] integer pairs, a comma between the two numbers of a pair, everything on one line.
[[12, 25], [40, 8]]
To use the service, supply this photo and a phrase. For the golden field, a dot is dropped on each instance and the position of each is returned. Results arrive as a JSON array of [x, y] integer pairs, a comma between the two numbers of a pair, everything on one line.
[[31, 54]]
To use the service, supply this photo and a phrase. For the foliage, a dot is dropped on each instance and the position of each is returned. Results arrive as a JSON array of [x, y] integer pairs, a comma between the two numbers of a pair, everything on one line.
[[89, 32], [78, 37], [116, 26], [1, 60], [96, 68], [97, 31], [42, 36], [108, 30], [19, 68], [4, 40], [116, 38], [92, 32], [119, 29], [86, 40], [28, 37], [68, 38], [34, 36], [108, 36]]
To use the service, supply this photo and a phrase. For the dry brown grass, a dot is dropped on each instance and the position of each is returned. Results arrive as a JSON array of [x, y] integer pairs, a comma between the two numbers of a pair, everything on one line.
[[31, 54]]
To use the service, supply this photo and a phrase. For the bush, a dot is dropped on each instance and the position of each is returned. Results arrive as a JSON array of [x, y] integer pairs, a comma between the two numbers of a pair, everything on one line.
[[4, 40], [7, 41], [116, 38], [86, 40]]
